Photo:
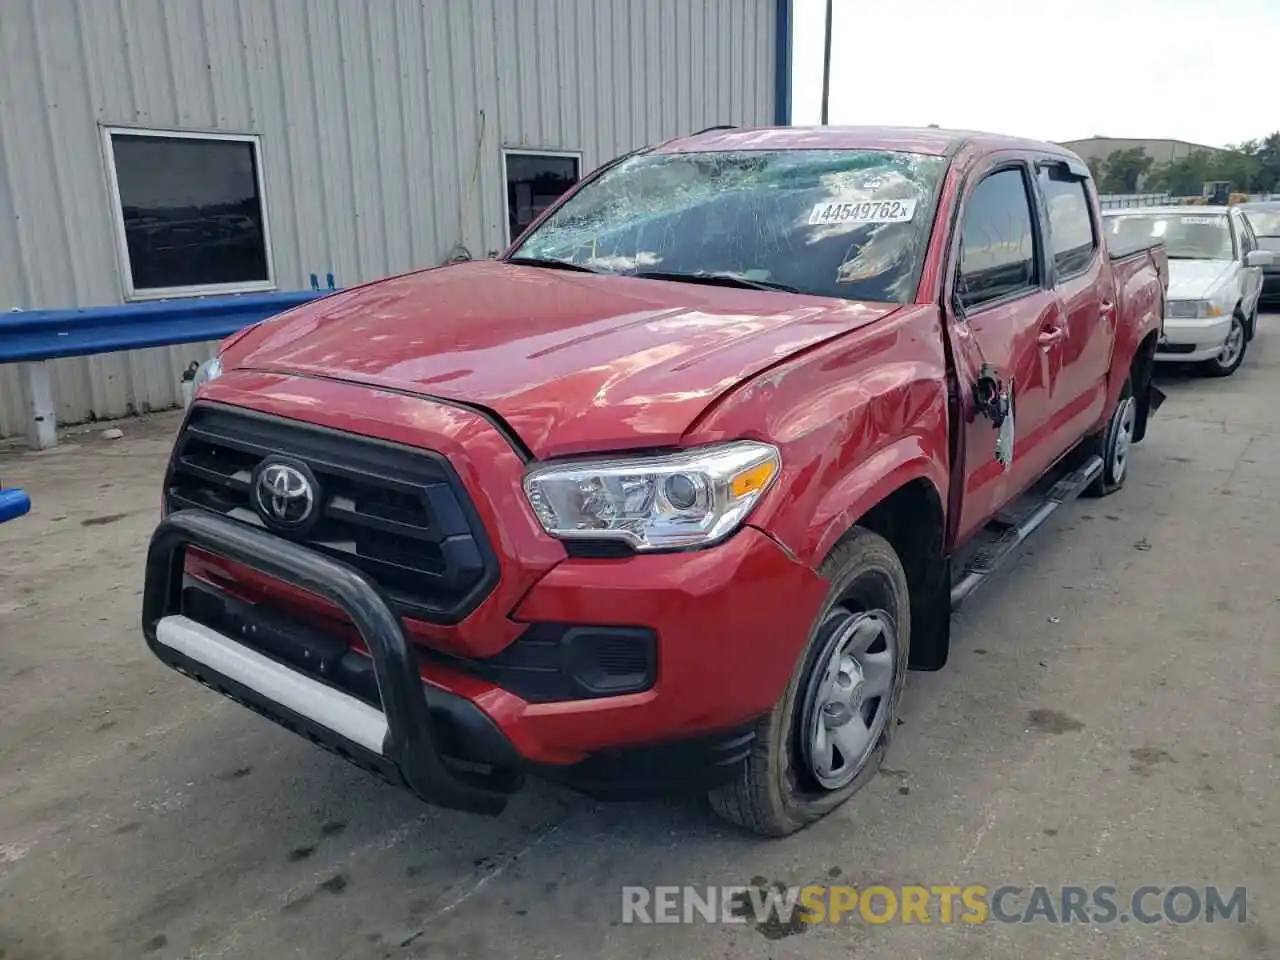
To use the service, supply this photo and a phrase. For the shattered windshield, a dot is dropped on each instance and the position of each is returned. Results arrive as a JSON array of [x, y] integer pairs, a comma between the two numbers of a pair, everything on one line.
[[835, 223]]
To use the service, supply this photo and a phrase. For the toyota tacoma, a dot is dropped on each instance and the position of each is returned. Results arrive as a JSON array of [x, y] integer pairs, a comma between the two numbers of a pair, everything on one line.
[[672, 493]]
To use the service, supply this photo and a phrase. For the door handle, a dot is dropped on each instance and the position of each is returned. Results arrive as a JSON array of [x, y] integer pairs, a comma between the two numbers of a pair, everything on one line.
[[1048, 338]]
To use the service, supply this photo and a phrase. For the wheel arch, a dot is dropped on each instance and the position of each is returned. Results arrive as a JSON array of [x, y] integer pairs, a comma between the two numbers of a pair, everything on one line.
[[1141, 370], [912, 519]]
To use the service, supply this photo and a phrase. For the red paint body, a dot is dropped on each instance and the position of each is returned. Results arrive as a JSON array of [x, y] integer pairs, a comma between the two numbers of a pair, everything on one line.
[[854, 395]]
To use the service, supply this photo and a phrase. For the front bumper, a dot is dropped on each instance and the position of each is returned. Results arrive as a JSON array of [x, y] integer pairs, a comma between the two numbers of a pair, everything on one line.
[[730, 623], [1188, 340], [397, 742]]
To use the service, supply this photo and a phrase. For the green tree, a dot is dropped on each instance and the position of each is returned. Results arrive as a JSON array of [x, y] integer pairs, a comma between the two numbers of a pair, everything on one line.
[[1268, 157], [1186, 176], [1250, 167], [1120, 171]]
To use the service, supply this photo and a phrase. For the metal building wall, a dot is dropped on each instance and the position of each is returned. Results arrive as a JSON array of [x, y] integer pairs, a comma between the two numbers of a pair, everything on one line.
[[382, 125]]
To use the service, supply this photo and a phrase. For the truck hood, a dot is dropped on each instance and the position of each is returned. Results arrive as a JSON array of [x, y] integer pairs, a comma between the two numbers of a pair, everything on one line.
[[1197, 279], [572, 362]]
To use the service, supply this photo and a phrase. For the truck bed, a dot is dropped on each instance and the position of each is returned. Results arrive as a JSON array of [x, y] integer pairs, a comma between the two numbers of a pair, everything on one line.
[[1128, 261]]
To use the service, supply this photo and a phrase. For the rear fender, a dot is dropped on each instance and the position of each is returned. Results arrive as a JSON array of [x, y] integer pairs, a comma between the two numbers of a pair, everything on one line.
[[1149, 395], [1141, 302]]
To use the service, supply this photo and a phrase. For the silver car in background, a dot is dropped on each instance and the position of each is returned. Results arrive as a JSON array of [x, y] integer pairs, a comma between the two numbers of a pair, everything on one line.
[[1215, 279], [1264, 219]]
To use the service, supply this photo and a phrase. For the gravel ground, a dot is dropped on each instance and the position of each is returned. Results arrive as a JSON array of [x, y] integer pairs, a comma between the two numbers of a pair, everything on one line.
[[1110, 716]]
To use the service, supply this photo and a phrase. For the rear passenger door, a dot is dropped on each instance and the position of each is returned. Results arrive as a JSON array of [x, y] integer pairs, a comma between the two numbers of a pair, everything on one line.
[[1003, 315], [1080, 358]]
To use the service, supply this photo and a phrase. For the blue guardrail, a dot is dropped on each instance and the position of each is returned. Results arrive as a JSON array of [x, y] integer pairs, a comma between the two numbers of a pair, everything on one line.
[[33, 335], [13, 504]]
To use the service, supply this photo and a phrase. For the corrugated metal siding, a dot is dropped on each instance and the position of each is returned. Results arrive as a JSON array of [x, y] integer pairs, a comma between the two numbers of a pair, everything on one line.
[[382, 126]]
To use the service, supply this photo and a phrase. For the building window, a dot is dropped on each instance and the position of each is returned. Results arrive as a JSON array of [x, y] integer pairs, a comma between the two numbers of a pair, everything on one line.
[[535, 180], [191, 213]]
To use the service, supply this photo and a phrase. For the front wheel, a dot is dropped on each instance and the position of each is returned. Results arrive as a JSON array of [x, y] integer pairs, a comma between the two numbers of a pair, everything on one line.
[[1229, 359], [828, 733]]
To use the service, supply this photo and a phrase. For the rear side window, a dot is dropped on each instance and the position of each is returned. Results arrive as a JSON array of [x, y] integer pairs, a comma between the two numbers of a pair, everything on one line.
[[1071, 236], [1247, 241], [997, 242]]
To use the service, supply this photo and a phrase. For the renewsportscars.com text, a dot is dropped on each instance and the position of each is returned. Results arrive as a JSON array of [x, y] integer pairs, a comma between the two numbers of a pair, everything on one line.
[[942, 903]]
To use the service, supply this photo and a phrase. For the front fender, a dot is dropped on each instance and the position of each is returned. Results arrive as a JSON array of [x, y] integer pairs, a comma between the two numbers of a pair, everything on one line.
[[854, 419], [867, 484]]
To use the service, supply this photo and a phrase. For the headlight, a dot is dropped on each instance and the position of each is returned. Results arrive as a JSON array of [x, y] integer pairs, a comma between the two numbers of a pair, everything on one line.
[[1192, 310], [692, 498], [205, 373]]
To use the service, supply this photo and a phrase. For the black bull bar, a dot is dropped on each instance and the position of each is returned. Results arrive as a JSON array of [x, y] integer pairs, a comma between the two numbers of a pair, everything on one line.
[[409, 755]]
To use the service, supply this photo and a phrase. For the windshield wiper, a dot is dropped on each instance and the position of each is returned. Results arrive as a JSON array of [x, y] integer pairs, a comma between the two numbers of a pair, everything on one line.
[[551, 264], [714, 279]]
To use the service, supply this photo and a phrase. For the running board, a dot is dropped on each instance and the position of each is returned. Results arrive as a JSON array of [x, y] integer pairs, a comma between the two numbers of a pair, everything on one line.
[[991, 556]]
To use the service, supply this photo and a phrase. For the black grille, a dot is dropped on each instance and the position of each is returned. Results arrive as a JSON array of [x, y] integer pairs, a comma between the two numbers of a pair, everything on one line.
[[398, 514], [1175, 348]]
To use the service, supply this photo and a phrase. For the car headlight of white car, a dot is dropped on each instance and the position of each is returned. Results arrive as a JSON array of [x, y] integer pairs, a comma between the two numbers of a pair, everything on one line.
[[1193, 310], [693, 498], [207, 372]]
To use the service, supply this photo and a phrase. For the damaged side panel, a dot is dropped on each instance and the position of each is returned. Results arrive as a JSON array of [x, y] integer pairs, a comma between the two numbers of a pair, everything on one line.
[[853, 426]]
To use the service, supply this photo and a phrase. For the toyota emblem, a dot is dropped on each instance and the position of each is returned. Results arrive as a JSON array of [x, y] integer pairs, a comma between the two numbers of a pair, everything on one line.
[[285, 495]]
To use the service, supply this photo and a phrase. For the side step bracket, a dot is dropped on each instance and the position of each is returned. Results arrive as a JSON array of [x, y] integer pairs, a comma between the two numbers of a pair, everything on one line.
[[989, 557]]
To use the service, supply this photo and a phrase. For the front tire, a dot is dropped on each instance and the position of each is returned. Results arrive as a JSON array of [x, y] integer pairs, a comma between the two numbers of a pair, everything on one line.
[[1228, 361], [828, 733]]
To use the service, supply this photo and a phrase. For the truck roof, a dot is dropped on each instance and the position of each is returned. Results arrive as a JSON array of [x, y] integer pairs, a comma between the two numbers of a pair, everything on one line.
[[927, 140]]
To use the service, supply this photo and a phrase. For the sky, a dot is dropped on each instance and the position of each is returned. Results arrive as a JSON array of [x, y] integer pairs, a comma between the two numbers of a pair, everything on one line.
[[1197, 70]]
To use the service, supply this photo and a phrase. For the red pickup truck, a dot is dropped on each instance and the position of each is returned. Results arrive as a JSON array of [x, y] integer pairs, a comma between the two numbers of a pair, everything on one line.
[[671, 494]]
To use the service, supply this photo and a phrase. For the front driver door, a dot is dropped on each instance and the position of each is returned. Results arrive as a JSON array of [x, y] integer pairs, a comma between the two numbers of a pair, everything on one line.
[[1006, 323]]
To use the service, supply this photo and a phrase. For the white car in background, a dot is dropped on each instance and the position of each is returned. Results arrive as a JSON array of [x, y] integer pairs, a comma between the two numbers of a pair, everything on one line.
[[1264, 221], [1215, 279]]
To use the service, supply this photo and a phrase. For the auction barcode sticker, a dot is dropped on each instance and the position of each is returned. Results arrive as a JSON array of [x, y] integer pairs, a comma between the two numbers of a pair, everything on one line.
[[866, 211]]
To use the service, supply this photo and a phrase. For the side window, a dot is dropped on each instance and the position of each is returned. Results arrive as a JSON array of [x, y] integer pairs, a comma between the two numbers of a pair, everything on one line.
[[1071, 233], [997, 240], [1248, 241]]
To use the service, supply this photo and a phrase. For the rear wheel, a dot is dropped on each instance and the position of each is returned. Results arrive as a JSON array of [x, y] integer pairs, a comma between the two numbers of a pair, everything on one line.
[[1114, 444], [1228, 361], [828, 733]]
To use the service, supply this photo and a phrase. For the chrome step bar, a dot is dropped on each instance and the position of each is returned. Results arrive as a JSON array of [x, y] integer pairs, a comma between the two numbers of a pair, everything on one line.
[[991, 557]]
